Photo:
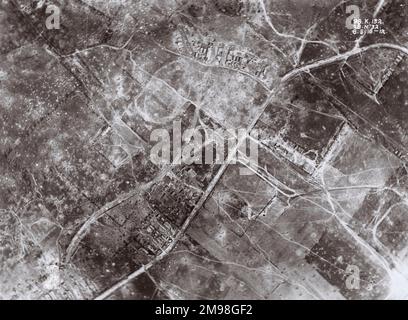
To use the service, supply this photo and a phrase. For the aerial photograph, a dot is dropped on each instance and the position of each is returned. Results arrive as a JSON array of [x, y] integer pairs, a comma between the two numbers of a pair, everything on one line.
[[203, 150]]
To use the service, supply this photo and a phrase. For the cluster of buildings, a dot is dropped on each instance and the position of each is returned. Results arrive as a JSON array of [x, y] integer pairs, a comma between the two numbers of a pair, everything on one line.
[[155, 234], [209, 51]]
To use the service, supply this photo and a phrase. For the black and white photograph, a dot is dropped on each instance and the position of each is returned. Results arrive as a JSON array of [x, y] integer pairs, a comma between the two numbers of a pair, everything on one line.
[[211, 150]]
